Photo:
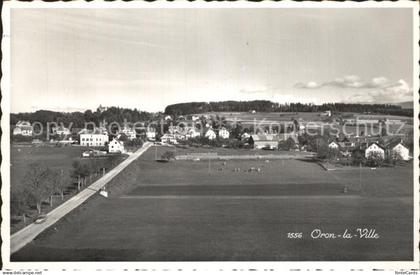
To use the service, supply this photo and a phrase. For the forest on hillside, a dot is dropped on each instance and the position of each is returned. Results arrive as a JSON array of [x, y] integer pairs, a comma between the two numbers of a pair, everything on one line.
[[268, 106]]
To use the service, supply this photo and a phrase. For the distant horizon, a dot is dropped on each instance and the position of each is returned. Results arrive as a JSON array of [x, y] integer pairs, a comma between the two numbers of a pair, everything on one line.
[[163, 110]]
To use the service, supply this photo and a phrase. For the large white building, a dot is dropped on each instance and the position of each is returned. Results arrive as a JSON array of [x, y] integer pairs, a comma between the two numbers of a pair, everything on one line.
[[23, 128], [96, 137]]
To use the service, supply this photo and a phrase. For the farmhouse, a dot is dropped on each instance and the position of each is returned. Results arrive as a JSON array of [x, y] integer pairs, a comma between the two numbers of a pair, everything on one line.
[[366, 121], [245, 136], [61, 131], [333, 145], [96, 137], [264, 141], [224, 133], [151, 134], [23, 128], [192, 133], [326, 113], [116, 146], [210, 134], [398, 150], [168, 138], [375, 149]]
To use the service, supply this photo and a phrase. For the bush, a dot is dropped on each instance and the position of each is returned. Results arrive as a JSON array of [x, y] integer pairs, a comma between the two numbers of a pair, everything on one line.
[[168, 155]]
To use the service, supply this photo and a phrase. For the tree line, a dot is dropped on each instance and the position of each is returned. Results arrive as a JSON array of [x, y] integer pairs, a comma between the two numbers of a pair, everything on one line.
[[78, 119], [268, 106], [41, 183]]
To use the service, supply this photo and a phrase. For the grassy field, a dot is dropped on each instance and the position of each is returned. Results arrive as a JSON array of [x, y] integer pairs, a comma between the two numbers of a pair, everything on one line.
[[55, 158], [287, 116], [52, 157], [181, 210]]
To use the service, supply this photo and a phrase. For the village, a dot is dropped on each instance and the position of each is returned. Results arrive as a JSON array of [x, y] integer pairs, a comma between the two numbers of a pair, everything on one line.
[[326, 137], [208, 159]]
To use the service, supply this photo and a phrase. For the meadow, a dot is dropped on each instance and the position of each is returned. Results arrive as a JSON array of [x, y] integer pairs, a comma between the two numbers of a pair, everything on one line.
[[193, 211], [55, 158]]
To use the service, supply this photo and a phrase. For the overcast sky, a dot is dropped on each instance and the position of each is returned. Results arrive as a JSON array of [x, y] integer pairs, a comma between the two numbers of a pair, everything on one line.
[[76, 59]]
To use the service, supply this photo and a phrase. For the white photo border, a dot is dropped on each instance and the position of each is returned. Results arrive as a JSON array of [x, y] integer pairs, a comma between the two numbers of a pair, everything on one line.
[[198, 266]]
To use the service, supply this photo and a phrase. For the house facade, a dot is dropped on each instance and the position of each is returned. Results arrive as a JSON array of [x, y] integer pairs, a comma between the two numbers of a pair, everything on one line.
[[151, 134], [168, 139], [375, 149], [23, 128], [224, 133], [62, 131], [333, 145], [96, 137], [129, 132], [116, 146], [266, 141], [400, 151], [193, 133], [210, 134], [245, 136]]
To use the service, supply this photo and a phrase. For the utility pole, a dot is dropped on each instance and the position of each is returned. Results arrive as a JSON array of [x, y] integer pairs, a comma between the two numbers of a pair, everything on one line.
[[209, 163], [360, 177]]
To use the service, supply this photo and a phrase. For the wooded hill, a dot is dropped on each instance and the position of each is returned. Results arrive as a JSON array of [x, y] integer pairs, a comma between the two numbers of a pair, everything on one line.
[[268, 106]]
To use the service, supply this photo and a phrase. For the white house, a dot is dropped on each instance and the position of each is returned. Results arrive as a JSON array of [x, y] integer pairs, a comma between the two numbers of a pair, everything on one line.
[[129, 132], [326, 113], [23, 128], [151, 134], [400, 151], [62, 131], [245, 136], [210, 134], [375, 149], [168, 138], [192, 133], [95, 137], [265, 141], [116, 146], [333, 145], [224, 133]]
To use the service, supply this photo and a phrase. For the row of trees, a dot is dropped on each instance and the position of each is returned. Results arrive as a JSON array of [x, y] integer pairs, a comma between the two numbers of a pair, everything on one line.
[[41, 183], [78, 119], [268, 106]]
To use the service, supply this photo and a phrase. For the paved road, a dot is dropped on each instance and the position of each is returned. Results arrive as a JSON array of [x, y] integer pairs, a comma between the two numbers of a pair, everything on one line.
[[27, 234]]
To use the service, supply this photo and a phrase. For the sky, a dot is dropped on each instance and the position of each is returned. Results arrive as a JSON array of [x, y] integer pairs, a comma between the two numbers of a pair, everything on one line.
[[77, 59]]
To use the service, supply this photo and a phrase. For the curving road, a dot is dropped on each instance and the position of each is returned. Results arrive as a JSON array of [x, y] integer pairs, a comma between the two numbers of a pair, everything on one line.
[[27, 234]]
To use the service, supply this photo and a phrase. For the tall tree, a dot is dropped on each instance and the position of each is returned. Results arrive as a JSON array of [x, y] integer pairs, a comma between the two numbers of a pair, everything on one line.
[[38, 183]]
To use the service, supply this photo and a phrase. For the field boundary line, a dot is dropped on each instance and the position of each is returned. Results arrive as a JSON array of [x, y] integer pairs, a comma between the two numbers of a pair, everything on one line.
[[267, 197]]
